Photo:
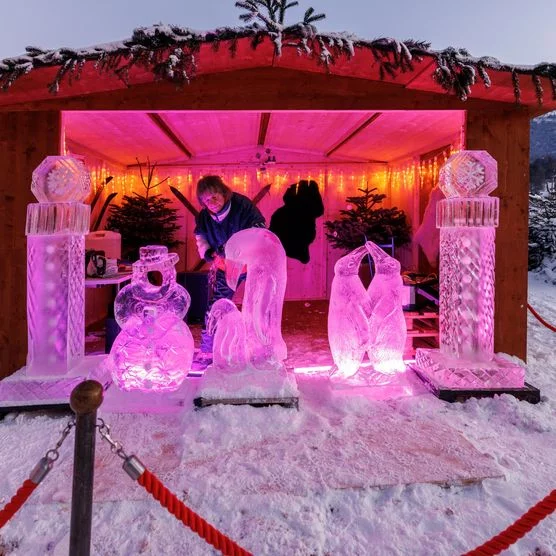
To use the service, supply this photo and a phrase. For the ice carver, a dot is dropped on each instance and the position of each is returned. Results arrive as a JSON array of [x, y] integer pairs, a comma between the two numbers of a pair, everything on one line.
[[223, 213]]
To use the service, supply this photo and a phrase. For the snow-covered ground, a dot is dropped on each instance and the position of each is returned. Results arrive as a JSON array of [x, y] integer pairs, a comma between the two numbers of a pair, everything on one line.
[[217, 461]]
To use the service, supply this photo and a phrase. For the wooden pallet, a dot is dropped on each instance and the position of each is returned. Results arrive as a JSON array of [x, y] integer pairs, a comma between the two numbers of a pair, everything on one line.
[[528, 393], [422, 330], [290, 402]]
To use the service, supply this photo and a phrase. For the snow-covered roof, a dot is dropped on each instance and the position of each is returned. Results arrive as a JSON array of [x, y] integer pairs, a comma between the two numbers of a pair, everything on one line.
[[173, 53]]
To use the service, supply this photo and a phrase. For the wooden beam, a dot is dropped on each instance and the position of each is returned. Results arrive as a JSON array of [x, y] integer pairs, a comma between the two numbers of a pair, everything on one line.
[[256, 164], [351, 135], [505, 135], [77, 148], [263, 127], [159, 121], [262, 89]]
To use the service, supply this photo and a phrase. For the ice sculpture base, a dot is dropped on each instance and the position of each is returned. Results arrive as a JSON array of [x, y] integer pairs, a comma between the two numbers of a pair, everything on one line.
[[23, 392], [458, 373], [453, 379], [247, 387], [137, 401]]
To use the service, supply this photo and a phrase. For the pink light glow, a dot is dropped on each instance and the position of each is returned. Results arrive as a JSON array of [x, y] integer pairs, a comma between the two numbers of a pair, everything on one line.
[[154, 350], [467, 219], [366, 321], [55, 229]]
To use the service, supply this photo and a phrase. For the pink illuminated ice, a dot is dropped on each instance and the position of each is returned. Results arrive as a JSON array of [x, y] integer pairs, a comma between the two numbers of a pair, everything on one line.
[[467, 219], [388, 329], [154, 350], [61, 179], [55, 229], [260, 252], [366, 321], [226, 324], [469, 174]]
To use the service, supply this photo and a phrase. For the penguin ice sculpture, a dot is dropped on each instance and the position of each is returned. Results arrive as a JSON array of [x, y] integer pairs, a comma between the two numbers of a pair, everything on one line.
[[366, 321], [387, 325]]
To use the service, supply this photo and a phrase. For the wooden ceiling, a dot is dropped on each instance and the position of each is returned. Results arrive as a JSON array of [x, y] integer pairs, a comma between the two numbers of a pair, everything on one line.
[[194, 137]]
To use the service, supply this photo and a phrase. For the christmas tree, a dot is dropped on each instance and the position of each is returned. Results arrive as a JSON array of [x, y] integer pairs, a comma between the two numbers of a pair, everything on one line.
[[144, 219], [365, 219]]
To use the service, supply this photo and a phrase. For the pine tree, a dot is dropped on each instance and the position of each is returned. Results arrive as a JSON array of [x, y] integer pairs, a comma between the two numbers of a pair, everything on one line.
[[365, 219], [144, 219], [542, 227]]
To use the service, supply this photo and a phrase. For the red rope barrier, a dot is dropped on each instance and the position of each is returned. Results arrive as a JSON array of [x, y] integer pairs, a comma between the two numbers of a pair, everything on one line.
[[540, 319], [18, 499], [188, 517], [518, 529]]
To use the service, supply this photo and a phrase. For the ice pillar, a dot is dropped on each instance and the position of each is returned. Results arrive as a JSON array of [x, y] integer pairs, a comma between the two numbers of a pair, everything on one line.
[[55, 229], [467, 219]]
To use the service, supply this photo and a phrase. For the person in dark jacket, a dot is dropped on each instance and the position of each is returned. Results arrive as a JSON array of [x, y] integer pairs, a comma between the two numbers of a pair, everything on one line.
[[223, 213]]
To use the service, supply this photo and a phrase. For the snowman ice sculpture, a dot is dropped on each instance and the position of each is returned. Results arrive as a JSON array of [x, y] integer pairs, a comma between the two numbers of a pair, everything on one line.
[[153, 352]]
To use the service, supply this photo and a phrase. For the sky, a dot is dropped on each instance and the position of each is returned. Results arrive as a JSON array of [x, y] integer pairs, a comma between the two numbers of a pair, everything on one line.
[[514, 31]]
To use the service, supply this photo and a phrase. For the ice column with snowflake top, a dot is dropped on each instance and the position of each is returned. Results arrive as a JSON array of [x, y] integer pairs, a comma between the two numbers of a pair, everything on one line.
[[55, 229], [467, 219]]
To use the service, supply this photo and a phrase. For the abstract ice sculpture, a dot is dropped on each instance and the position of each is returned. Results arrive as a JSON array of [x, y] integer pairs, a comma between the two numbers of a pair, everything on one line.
[[467, 219], [55, 229], [366, 321], [154, 350], [253, 337]]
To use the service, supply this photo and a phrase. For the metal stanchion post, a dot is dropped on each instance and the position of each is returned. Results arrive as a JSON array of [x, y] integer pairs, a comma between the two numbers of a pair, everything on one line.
[[85, 400]]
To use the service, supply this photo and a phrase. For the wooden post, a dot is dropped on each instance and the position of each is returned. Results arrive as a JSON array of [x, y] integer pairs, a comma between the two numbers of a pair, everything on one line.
[[85, 400], [26, 138], [505, 135]]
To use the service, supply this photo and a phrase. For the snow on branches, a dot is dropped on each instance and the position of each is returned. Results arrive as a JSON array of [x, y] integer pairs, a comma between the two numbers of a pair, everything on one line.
[[171, 53]]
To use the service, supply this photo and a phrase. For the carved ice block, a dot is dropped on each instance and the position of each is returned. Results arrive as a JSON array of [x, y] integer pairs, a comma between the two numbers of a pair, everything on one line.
[[55, 229]]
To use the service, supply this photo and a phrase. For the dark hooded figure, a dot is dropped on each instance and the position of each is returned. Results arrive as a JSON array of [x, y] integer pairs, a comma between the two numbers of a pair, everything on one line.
[[294, 223]]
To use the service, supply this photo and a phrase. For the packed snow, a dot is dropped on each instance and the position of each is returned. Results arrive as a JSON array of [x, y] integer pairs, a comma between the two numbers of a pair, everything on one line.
[[255, 474]]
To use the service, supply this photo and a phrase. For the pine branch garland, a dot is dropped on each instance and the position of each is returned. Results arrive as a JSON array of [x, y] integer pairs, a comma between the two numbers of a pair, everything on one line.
[[170, 52]]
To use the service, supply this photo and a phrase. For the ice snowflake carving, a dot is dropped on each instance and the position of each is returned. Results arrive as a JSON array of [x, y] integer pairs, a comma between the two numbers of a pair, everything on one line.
[[469, 174], [61, 179]]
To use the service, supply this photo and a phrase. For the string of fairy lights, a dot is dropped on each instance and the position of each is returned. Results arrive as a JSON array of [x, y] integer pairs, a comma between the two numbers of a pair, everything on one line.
[[402, 176]]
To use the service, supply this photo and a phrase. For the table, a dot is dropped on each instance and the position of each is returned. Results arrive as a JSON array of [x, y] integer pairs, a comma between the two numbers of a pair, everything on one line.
[[111, 327], [116, 280]]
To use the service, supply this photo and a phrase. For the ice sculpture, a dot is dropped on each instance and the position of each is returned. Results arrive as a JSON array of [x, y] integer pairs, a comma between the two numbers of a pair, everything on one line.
[[55, 229], [261, 253], [154, 350], [226, 324], [467, 219], [388, 329], [366, 321]]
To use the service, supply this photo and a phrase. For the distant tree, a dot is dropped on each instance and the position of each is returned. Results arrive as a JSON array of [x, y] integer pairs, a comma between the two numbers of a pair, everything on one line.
[[542, 227], [541, 171]]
